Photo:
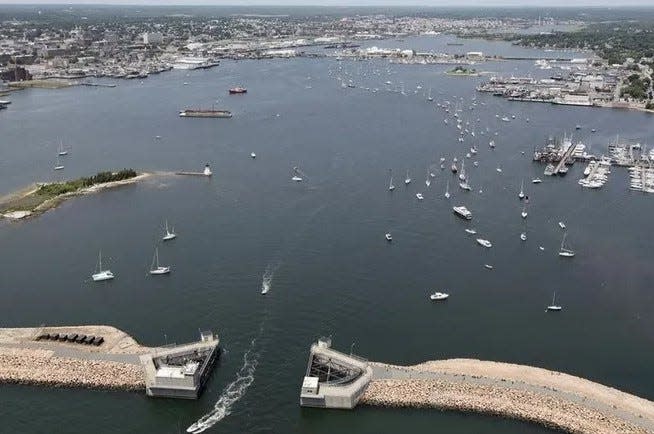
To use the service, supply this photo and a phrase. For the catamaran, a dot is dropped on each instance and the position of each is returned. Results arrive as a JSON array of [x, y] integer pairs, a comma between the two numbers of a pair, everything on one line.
[[554, 307], [156, 269], [564, 251], [169, 235], [101, 274]]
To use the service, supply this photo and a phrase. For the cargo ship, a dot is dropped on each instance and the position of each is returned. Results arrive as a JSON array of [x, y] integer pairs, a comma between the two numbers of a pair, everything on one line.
[[237, 90], [205, 113]]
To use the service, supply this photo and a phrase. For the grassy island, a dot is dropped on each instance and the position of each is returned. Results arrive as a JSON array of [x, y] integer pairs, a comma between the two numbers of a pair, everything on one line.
[[460, 70], [41, 197]]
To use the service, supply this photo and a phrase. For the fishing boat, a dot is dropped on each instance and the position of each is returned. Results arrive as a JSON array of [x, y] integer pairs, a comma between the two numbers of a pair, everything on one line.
[[439, 296], [389, 237], [564, 251], [554, 307], [521, 195], [407, 180], [484, 243], [101, 274], [155, 268], [447, 189], [169, 235]]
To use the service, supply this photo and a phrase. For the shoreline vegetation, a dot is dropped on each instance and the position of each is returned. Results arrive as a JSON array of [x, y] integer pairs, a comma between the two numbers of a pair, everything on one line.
[[41, 197], [463, 71]]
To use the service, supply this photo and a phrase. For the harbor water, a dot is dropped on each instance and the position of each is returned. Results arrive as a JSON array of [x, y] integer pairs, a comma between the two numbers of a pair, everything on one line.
[[319, 245]]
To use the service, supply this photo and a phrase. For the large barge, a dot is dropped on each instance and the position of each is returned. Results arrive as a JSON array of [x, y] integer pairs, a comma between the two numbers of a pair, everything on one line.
[[190, 113]]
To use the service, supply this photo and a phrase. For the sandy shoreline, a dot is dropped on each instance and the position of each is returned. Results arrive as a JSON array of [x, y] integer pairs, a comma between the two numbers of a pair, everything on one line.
[[55, 201], [553, 399]]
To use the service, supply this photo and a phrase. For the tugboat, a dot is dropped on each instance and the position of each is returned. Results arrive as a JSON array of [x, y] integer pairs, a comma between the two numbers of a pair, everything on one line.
[[237, 90]]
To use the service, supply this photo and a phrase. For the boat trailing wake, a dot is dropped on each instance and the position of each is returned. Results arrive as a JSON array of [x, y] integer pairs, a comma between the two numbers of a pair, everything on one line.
[[232, 393], [268, 275]]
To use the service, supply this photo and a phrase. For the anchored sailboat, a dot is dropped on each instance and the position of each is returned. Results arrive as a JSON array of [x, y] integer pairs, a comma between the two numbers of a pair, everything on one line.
[[169, 235], [391, 187], [554, 307], [521, 195], [156, 268], [564, 251], [101, 274]]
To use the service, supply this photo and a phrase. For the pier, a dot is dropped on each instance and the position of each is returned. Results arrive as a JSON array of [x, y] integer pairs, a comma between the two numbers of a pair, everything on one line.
[[103, 357], [554, 399]]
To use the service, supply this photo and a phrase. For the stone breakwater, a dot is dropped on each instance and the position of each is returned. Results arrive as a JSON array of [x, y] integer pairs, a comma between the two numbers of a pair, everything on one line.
[[38, 367], [555, 400]]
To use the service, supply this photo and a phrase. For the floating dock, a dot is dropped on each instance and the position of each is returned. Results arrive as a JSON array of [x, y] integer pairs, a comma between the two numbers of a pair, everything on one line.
[[556, 400], [102, 357]]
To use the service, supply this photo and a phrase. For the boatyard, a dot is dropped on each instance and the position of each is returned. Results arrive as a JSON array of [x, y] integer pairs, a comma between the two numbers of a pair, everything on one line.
[[556, 400], [102, 357]]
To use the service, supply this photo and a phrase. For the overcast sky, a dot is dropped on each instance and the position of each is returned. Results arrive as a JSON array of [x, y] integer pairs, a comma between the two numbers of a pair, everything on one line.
[[478, 3]]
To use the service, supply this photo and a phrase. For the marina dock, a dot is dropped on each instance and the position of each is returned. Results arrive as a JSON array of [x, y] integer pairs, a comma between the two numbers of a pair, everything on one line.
[[554, 399], [103, 357]]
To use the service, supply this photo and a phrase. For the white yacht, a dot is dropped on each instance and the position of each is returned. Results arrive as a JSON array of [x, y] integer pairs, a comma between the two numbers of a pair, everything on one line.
[[564, 251], [169, 235], [101, 274], [485, 243], [155, 268], [439, 296], [62, 151], [554, 307], [488, 266], [463, 212]]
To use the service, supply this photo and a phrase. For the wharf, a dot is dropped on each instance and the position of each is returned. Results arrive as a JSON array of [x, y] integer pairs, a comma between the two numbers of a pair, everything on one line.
[[103, 357], [553, 399]]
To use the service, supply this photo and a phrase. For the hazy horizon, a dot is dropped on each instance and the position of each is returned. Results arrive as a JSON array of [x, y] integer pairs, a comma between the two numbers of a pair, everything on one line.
[[343, 3]]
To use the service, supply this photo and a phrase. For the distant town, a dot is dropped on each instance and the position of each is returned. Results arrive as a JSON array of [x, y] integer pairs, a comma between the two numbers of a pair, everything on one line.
[[53, 53]]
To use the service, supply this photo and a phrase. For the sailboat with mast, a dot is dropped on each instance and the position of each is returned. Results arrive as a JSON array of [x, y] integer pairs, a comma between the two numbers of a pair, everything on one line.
[[521, 195], [58, 165], [101, 274], [429, 97], [428, 180], [391, 187], [61, 151], [554, 307], [447, 189], [169, 235], [523, 214], [155, 268], [565, 251], [407, 180]]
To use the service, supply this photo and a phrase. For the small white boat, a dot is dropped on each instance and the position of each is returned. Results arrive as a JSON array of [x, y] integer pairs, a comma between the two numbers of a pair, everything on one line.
[[521, 195], [169, 235], [488, 266], [464, 185], [419, 196], [499, 170], [391, 187], [447, 190], [439, 296], [523, 236], [389, 237], [253, 155], [523, 214], [505, 119], [562, 225], [564, 251], [491, 144], [101, 274], [407, 180], [542, 249], [296, 177], [157, 269], [554, 307], [536, 181], [463, 212], [471, 231], [485, 243]]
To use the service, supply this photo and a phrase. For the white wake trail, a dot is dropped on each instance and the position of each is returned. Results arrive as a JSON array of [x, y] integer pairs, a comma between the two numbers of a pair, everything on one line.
[[268, 275], [232, 393]]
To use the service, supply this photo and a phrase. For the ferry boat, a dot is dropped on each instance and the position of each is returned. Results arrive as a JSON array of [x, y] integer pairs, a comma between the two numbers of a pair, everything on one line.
[[205, 113], [237, 90], [463, 212]]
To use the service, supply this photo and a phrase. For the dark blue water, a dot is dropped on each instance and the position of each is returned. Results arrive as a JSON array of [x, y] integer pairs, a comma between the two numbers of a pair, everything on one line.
[[323, 239]]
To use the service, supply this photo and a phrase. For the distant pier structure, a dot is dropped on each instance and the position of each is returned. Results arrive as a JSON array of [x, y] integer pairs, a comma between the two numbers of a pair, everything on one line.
[[180, 371], [333, 379]]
